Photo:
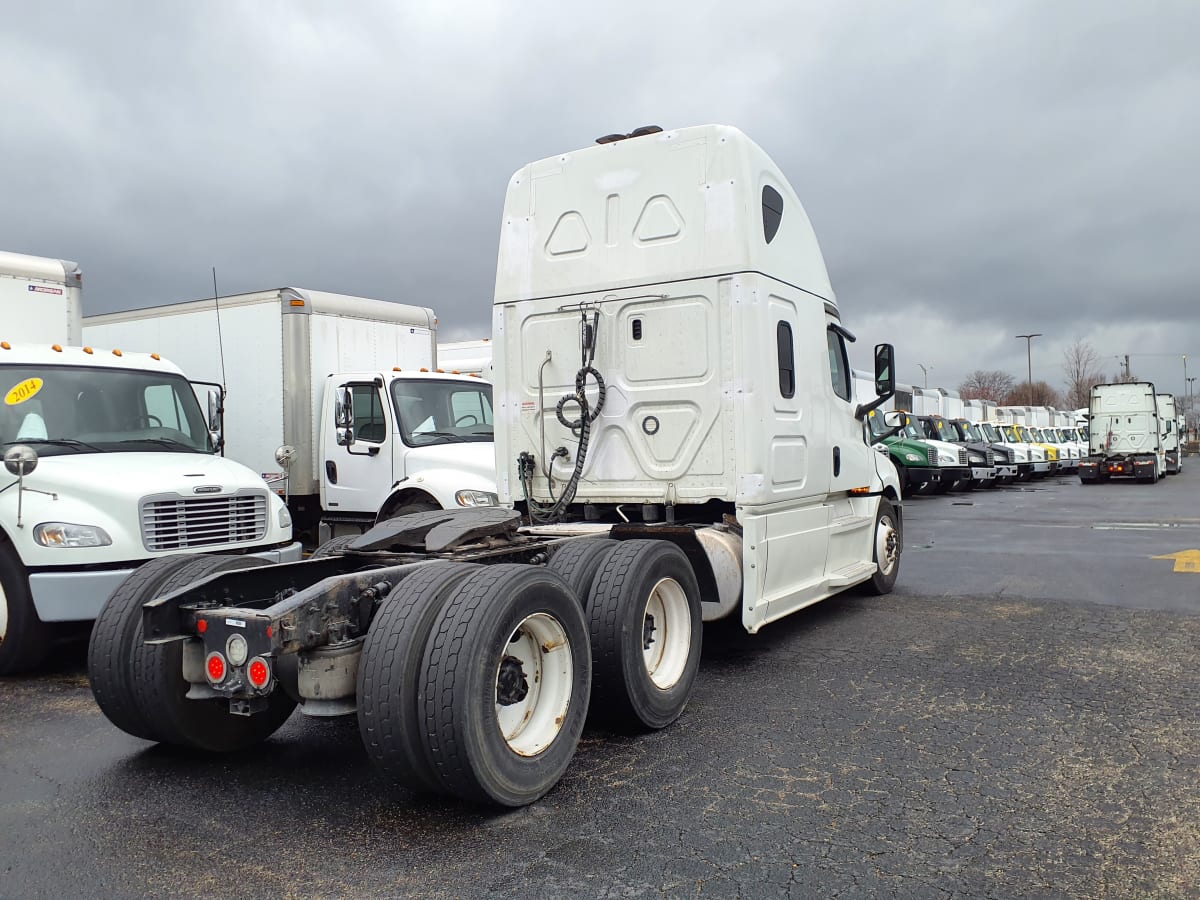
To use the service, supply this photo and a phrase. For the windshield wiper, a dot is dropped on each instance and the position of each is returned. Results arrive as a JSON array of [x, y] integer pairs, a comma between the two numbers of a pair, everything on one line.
[[162, 442], [56, 442]]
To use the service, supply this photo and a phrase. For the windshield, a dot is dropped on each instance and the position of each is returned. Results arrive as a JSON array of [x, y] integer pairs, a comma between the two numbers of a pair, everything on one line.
[[443, 411], [879, 426], [991, 433], [945, 431], [75, 409], [970, 432], [1010, 434]]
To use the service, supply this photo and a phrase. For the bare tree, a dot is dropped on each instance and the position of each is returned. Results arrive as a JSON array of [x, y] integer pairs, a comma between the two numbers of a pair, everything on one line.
[[1081, 365], [986, 384], [1037, 394]]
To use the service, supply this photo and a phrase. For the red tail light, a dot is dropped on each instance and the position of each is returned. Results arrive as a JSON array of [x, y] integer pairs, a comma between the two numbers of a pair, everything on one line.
[[215, 668], [258, 672]]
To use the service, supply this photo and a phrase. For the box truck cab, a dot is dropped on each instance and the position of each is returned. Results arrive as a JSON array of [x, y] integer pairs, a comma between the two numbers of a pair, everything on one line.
[[110, 462], [981, 461], [400, 442]]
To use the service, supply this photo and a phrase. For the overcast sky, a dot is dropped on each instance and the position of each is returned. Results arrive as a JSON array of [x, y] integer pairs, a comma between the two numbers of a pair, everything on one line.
[[974, 171]]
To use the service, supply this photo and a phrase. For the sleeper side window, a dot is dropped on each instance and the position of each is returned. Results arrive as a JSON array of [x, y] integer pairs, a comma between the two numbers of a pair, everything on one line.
[[786, 354], [839, 368]]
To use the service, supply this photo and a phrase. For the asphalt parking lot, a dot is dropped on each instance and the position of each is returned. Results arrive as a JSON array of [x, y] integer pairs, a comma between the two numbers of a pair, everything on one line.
[[1018, 719]]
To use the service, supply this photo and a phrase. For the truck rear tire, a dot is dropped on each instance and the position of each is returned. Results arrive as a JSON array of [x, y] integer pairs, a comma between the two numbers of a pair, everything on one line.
[[334, 546], [25, 639], [110, 670], [507, 676], [390, 710], [160, 690], [885, 549], [577, 562], [645, 621]]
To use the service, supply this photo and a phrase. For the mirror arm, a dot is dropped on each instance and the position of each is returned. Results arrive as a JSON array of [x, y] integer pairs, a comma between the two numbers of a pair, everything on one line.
[[864, 408]]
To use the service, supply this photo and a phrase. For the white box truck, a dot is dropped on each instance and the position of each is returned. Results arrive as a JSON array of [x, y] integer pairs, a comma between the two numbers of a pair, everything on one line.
[[676, 429], [421, 437], [44, 294], [109, 468], [466, 357], [1125, 435]]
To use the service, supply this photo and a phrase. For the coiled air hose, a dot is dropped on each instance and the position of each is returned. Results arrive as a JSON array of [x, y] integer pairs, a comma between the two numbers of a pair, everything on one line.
[[582, 428]]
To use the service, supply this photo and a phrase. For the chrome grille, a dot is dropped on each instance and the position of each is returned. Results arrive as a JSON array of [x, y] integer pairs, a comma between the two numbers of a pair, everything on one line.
[[174, 522], [962, 456], [991, 457]]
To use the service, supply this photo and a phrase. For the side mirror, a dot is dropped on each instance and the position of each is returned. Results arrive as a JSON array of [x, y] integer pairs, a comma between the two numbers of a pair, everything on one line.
[[893, 419], [343, 409], [214, 410], [885, 378], [20, 460], [345, 436]]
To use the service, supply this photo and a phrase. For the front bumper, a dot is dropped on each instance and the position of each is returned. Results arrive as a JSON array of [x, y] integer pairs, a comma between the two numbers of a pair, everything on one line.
[[1007, 470], [79, 596]]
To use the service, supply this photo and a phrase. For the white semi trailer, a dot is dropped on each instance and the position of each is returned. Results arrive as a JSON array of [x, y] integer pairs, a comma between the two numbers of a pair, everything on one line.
[[112, 468], [421, 437], [678, 441]]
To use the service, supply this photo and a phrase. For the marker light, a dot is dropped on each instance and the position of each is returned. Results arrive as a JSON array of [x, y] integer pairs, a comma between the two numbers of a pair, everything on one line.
[[57, 348], [201, 625], [259, 673], [117, 353], [237, 650], [214, 667], [88, 351]]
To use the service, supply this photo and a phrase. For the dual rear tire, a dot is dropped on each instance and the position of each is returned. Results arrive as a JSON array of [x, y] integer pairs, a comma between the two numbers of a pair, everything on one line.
[[140, 687], [476, 681]]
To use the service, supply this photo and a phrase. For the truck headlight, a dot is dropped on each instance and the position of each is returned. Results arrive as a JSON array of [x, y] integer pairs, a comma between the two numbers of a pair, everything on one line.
[[476, 498], [913, 457], [65, 534], [285, 517], [977, 460], [945, 459]]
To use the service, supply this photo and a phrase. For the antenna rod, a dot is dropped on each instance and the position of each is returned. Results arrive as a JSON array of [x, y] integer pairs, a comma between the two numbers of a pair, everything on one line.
[[220, 343]]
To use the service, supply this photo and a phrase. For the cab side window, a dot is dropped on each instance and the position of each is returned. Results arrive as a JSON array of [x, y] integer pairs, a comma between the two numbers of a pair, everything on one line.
[[369, 423], [839, 367]]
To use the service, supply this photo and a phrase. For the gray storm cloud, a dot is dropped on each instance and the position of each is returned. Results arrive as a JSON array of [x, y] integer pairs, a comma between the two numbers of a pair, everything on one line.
[[974, 171]]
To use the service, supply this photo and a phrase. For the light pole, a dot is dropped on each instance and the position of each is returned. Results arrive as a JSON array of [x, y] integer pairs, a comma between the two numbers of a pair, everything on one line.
[[926, 371], [1029, 361], [1189, 416]]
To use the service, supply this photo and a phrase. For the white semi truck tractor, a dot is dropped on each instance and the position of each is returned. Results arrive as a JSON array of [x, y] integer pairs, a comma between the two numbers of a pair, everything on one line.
[[677, 441]]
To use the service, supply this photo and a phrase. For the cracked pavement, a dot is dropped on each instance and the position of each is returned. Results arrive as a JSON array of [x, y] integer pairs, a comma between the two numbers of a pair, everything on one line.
[[1017, 719]]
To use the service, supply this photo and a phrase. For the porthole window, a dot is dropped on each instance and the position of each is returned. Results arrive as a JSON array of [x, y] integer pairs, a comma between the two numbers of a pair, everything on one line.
[[772, 212]]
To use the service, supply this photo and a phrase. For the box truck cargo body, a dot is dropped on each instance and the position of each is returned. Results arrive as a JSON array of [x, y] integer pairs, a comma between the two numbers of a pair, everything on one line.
[[40, 298], [278, 352]]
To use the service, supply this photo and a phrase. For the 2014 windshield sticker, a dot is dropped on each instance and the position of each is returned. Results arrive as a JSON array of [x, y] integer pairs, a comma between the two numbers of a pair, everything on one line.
[[23, 391]]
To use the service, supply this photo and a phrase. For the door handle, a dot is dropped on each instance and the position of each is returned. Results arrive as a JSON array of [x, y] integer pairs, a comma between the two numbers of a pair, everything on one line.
[[331, 471], [837, 461]]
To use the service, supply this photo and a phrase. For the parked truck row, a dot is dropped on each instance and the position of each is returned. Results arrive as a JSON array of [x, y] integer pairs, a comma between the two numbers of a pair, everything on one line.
[[940, 442], [656, 469]]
